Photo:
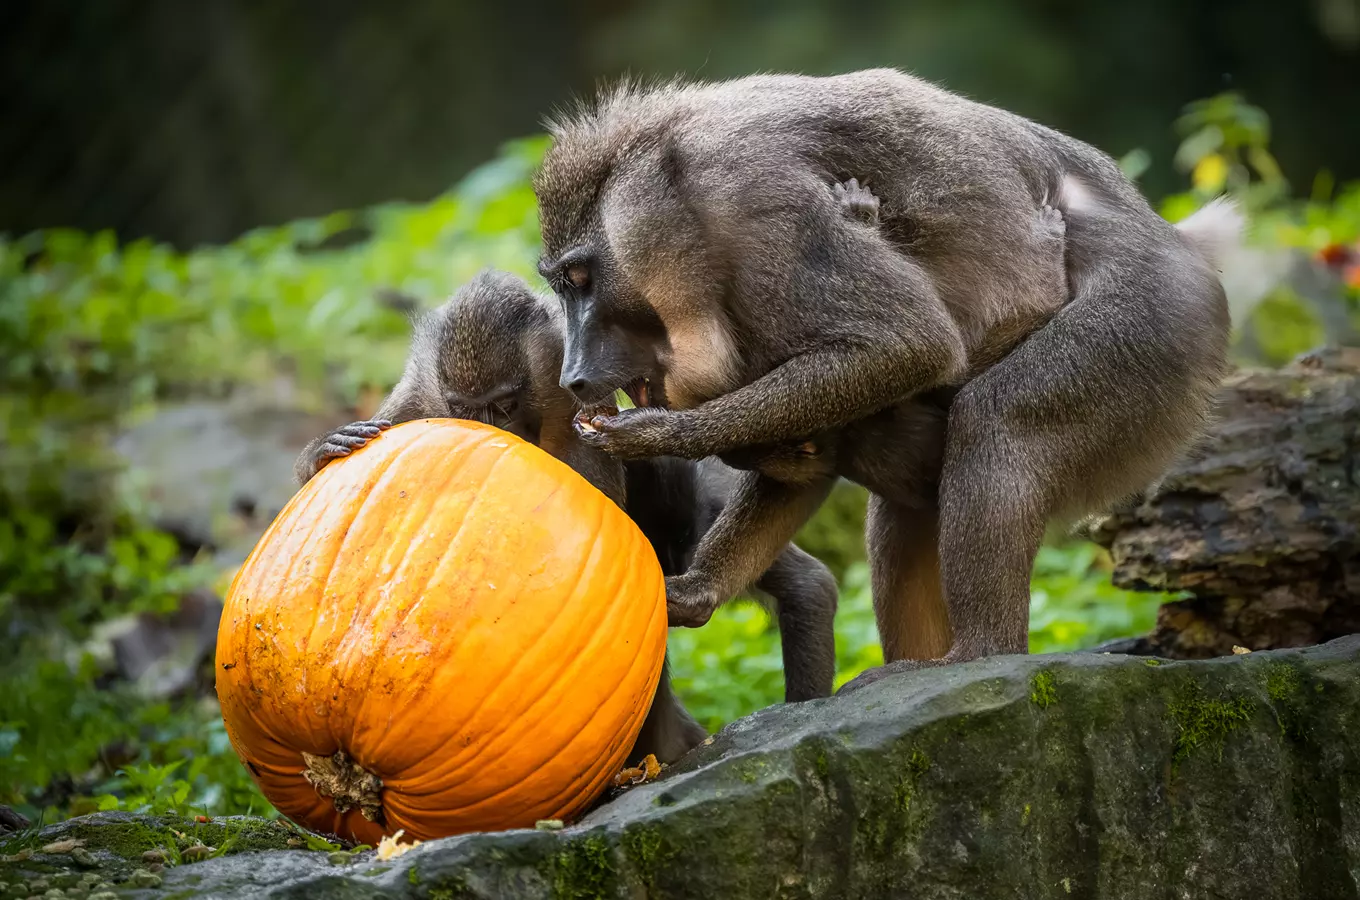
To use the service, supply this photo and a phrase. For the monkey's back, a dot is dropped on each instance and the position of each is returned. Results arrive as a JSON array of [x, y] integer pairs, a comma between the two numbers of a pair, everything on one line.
[[958, 181]]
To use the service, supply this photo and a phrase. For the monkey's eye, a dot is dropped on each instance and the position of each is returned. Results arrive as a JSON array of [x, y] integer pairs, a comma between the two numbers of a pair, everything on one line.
[[579, 276]]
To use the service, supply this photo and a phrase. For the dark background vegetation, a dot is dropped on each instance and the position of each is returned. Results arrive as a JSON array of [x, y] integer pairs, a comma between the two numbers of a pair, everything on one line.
[[192, 122], [206, 209]]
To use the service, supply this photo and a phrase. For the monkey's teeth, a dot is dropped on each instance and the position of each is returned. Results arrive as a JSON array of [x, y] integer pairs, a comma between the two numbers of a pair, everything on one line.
[[643, 399]]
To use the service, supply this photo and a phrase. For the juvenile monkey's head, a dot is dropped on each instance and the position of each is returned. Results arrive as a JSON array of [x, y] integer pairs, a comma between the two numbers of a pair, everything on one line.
[[492, 353]]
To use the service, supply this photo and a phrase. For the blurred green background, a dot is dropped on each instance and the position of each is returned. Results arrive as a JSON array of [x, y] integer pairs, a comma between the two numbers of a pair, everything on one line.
[[212, 215]]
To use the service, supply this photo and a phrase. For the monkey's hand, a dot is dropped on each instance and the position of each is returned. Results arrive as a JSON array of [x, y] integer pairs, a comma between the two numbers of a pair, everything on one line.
[[631, 434], [689, 602], [341, 442]]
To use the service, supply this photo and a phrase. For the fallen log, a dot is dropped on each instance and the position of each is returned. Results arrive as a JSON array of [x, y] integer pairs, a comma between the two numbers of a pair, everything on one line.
[[1260, 524]]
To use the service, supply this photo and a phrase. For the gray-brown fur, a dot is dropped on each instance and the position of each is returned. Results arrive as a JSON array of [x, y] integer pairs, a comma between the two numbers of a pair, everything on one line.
[[493, 354], [703, 211]]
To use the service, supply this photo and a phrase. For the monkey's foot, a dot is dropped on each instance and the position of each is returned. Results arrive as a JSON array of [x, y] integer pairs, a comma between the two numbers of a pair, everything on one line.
[[869, 676], [857, 201]]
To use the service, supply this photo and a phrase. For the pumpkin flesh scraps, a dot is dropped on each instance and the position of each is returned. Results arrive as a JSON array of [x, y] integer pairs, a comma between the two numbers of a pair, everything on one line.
[[346, 783], [390, 847], [639, 774]]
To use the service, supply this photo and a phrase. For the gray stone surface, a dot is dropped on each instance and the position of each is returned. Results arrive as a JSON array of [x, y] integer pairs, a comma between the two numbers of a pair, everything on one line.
[[219, 470], [1074, 775]]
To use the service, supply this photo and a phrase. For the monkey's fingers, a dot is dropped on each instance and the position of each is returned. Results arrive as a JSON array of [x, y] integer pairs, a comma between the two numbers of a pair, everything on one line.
[[348, 440], [364, 430]]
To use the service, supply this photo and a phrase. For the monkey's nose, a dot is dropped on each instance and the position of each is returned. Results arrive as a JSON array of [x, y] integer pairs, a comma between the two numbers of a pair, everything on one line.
[[586, 390]]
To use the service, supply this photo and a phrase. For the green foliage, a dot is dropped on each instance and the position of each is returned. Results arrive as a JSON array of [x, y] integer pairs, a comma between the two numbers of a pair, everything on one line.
[[60, 731], [836, 534], [1073, 604], [1226, 149], [1225, 146]]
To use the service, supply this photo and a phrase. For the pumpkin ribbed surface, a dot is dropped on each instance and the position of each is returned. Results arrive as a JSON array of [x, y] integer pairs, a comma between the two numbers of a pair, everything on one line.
[[447, 631]]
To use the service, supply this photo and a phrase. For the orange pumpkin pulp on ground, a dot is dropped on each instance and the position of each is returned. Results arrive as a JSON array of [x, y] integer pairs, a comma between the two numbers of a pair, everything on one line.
[[447, 631]]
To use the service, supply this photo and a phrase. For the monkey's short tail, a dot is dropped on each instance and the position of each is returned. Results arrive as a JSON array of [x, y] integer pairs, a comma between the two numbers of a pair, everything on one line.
[[1214, 230]]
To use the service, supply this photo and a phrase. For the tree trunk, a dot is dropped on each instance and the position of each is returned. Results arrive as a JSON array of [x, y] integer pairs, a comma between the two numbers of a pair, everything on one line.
[[1261, 524]]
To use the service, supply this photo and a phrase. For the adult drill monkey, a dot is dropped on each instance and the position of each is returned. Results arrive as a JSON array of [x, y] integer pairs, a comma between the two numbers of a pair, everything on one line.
[[701, 263]]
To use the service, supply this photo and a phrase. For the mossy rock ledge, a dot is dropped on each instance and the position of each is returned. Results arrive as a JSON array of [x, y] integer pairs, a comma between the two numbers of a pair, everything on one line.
[[1074, 775]]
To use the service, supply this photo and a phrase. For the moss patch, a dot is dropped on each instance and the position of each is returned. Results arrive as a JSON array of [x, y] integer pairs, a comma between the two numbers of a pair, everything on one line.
[[1205, 722], [130, 839], [646, 850], [115, 844], [584, 870], [451, 888], [918, 763], [1043, 689], [1283, 682], [1288, 699]]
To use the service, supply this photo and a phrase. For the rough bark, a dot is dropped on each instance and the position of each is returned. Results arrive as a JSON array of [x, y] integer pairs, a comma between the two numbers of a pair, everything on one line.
[[1261, 524]]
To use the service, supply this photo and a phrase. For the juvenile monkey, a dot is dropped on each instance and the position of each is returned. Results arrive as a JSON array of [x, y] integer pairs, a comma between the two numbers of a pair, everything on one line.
[[700, 264], [493, 354]]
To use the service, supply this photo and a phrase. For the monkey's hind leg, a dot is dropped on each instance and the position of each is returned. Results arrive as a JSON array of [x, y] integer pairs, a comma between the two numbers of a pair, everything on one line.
[[669, 731], [804, 596], [903, 549], [1092, 406]]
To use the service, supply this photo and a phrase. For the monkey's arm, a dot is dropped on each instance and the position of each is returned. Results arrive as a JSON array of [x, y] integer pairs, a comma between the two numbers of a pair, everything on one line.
[[761, 517], [884, 336], [824, 388]]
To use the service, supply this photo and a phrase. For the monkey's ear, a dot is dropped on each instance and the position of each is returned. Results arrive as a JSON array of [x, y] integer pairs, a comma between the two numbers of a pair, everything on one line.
[[671, 159]]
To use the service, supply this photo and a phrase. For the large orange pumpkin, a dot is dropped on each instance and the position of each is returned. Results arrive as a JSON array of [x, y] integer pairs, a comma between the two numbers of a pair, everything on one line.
[[447, 631]]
